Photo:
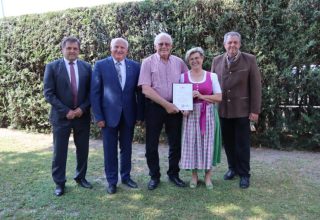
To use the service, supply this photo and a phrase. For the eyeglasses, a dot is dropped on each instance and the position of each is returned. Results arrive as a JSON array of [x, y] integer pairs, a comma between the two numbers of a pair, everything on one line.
[[164, 44]]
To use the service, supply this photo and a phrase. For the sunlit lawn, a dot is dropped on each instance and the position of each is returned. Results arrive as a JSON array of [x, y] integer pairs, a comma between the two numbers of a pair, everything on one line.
[[283, 187]]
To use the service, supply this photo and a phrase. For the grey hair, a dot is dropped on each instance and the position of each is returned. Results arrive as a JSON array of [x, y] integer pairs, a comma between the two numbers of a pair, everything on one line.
[[114, 40], [162, 34], [231, 34], [192, 51], [69, 39]]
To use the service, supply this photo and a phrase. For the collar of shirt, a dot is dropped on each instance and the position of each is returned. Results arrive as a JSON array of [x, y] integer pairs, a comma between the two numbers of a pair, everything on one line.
[[68, 61], [233, 59], [159, 58], [123, 63], [123, 70]]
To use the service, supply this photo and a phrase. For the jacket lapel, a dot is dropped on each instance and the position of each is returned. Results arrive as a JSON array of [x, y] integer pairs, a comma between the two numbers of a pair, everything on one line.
[[113, 71], [64, 72], [81, 70], [128, 73]]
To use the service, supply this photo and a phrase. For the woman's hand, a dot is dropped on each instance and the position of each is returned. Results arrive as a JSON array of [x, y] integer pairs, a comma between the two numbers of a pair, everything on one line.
[[196, 94]]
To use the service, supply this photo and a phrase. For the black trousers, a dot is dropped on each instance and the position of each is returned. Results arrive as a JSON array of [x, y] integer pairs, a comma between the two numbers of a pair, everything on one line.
[[61, 134], [236, 139], [155, 117]]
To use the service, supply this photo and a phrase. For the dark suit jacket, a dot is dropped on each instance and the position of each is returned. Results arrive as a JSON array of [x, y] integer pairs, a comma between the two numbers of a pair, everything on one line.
[[240, 84], [108, 99], [57, 90]]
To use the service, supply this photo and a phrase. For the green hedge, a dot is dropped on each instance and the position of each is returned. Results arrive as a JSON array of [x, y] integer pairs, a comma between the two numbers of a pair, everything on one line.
[[282, 34]]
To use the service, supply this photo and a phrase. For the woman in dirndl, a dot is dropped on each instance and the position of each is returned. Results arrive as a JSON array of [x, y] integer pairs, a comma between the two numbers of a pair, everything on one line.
[[198, 129]]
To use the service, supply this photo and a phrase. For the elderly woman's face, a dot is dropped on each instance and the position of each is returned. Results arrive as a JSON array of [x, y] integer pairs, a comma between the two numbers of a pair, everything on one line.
[[195, 60], [232, 45]]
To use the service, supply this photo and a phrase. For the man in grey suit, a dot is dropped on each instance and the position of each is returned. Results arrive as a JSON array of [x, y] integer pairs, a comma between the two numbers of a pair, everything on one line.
[[67, 89]]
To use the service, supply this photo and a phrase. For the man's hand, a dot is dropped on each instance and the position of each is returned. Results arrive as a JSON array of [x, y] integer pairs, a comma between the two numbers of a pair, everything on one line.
[[78, 112], [139, 123], [155, 97], [101, 124], [71, 115], [253, 117], [171, 108]]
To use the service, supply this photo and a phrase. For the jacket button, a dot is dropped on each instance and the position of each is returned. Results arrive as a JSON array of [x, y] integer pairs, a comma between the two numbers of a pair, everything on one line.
[[229, 90], [230, 72], [229, 100]]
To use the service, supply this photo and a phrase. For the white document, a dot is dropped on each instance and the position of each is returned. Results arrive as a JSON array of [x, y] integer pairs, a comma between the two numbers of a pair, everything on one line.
[[182, 96]]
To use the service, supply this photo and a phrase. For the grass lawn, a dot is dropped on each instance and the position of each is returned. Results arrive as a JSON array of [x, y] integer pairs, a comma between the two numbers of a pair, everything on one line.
[[284, 185]]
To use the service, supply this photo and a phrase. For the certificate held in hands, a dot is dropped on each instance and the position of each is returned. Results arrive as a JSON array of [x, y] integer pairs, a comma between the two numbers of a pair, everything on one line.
[[182, 96]]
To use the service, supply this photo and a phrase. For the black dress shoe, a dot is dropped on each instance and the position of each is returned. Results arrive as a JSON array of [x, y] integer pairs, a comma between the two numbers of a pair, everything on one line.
[[112, 189], [153, 183], [177, 181], [230, 174], [244, 182], [84, 183], [59, 191], [130, 183]]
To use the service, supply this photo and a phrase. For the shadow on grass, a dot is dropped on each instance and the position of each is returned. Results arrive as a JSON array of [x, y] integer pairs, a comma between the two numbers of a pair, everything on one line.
[[27, 192]]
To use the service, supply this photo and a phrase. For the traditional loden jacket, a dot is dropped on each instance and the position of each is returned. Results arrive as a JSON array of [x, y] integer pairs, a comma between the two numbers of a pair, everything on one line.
[[240, 82]]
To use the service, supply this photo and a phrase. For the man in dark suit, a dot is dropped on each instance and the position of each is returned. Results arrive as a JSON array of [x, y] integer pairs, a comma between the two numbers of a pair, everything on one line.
[[240, 82], [67, 89], [117, 103]]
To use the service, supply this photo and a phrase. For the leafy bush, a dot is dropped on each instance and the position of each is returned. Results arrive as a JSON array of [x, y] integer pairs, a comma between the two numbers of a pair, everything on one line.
[[283, 34]]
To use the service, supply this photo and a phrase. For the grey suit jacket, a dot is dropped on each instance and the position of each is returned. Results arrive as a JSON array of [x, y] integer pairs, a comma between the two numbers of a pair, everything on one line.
[[57, 89]]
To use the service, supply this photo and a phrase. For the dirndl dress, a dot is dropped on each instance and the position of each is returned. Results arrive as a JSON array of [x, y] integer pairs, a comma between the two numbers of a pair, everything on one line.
[[198, 131]]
